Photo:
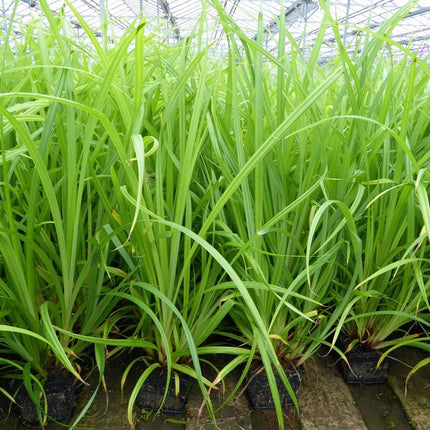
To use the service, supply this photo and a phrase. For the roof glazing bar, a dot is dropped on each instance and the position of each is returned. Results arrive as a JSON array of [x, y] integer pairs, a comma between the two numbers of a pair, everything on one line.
[[169, 16]]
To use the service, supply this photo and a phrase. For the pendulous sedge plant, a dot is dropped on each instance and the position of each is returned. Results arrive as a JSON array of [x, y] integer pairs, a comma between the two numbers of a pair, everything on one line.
[[54, 115], [386, 280], [265, 154], [171, 301]]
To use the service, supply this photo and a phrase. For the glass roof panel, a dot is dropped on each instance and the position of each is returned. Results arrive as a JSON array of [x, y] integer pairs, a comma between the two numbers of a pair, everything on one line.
[[303, 17]]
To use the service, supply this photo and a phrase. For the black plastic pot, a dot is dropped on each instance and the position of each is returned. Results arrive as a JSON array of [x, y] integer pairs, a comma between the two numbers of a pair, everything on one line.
[[362, 368], [260, 396], [60, 390], [151, 394]]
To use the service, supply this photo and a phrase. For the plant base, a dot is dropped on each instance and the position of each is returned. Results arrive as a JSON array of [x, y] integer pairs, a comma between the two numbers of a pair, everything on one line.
[[151, 394], [259, 393], [60, 394]]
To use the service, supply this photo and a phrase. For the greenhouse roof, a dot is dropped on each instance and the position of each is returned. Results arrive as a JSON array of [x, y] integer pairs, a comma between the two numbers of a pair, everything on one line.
[[303, 17]]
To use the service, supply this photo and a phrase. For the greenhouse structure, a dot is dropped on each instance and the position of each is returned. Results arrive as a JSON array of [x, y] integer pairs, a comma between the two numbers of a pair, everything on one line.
[[215, 214]]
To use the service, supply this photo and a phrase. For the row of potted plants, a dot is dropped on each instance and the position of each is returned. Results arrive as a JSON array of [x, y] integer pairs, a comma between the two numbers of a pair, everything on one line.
[[166, 199]]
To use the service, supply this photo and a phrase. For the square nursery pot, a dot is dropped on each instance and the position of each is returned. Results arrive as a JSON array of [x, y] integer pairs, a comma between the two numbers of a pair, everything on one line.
[[60, 390], [362, 367], [151, 394], [260, 396]]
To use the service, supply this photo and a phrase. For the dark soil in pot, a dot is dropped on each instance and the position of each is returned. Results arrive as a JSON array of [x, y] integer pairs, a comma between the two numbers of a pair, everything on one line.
[[60, 390], [151, 394], [260, 396], [362, 367]]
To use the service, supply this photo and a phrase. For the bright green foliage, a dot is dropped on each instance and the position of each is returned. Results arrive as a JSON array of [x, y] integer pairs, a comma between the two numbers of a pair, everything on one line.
[[153, 196]]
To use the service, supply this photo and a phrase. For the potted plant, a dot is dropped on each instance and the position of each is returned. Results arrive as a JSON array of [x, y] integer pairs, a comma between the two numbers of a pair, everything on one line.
[[270, 227], [172, 301], [55, 261], [390, 291], [384, 276]]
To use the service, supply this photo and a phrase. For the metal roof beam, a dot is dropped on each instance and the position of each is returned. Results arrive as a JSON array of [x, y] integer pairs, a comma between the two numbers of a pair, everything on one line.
[[164, 4], [31, 3], [291, 15]]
